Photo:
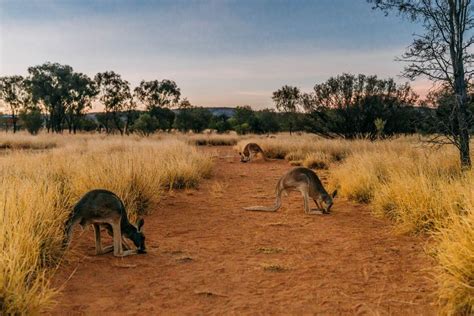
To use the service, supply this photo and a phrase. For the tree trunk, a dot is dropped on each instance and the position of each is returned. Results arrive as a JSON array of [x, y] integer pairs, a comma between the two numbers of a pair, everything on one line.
[[14, 122], [461, 109], [117, 123], [457, 58]]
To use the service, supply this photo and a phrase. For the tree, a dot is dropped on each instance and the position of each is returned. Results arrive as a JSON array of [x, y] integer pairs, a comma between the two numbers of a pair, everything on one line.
[[155, 93], [83, 90], [442, 101], [441, 54], [347, 106], [32, 119], [242, 119], [164, 116], [158, 97], [114, 94], [220, 123], [145, 124], [192, 118], [51, 85], [287, 100], [87, 124], [131, 114], [14, 93], [267, 121]]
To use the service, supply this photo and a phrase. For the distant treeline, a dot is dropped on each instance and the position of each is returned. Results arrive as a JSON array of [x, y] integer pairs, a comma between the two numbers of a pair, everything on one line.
[[55, 97]]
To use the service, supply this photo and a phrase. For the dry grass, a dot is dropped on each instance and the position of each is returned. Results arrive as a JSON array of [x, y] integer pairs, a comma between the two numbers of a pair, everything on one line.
[[23, 141], [272, 267], [455, 254], [422, 191], [312, 151], [39, 188], [212, 139], [269, 250]]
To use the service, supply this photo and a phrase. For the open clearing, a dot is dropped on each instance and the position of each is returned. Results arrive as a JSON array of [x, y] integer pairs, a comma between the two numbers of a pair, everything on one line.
[[208, 256]]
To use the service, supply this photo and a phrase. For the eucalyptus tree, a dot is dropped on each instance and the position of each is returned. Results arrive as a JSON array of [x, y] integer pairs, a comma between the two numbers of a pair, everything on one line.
[[442, 53], [114, 93], [287, 100], [82, 93], [50, 85], [347, 105], [14, 93], [155, 93]]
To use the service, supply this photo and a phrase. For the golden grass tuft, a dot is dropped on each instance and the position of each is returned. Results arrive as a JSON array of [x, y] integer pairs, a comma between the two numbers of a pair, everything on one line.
[[22, 141], [38, 190], [230, 139], [272, 267], [269, 250], [455, 273]]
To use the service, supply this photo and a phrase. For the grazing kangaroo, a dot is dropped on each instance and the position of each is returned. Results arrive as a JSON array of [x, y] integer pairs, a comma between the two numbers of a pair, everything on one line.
[[250, 151], [102, 207], [307, 182]]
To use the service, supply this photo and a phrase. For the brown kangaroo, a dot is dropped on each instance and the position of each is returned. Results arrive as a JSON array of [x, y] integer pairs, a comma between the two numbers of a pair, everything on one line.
[[307, 182], [102, 207], [250, 151]]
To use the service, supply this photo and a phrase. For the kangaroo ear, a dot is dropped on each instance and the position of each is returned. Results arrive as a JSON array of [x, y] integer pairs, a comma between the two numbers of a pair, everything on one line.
[[334, 194], [140, 223]]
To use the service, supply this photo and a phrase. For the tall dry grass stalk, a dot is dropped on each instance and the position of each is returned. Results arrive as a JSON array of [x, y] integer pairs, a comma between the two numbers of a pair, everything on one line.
[[38, 190]]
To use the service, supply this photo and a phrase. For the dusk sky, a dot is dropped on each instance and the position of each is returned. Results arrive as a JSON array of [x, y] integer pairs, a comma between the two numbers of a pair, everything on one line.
[[220, 53]]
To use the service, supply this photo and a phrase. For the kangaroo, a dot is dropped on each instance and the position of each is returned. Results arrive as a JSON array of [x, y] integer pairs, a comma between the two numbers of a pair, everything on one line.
[[307, 182], [102, 207], [250, 151]]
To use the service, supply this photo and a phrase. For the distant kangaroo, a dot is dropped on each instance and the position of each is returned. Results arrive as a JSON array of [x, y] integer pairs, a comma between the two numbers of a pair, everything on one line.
[[250, 151], [102, 207], [307, 182]]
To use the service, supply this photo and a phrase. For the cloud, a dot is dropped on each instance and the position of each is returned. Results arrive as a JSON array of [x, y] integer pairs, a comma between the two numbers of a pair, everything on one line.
[[220, 53]]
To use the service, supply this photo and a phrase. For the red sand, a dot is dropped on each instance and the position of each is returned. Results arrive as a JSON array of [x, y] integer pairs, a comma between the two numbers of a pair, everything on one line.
[[205, 257]]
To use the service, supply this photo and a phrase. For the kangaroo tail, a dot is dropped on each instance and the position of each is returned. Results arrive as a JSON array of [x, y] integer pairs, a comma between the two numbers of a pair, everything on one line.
[[273, 208]]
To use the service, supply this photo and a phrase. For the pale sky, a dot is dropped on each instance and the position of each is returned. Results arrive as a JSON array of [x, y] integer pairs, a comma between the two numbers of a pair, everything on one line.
[[220, 53]]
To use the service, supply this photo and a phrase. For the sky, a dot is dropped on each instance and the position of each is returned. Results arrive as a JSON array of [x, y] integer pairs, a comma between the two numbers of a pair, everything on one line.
[[220, 53]]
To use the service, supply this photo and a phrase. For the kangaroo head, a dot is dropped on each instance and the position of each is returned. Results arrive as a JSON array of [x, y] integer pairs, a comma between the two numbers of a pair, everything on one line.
[[243, 158], [138, 237], [328, 201]]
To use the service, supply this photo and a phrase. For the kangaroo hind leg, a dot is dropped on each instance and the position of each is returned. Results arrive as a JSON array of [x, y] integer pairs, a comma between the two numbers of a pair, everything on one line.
[[98, 243]]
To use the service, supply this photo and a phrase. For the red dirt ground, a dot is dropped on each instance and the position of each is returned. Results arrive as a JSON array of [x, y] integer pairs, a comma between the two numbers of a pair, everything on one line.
[[208, 256]]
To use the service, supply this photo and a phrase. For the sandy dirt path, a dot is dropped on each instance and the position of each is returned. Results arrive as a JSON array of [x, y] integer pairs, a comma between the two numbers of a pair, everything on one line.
[[208, 256]]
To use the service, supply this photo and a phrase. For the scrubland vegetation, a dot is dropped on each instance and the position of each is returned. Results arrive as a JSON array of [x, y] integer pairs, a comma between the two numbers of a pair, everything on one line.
[[212, 139], [39, 188], [421, 188], [422, 191]]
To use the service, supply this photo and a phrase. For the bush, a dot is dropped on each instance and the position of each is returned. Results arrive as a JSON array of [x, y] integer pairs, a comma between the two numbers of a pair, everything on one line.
[[145, 124], [32, 120]]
